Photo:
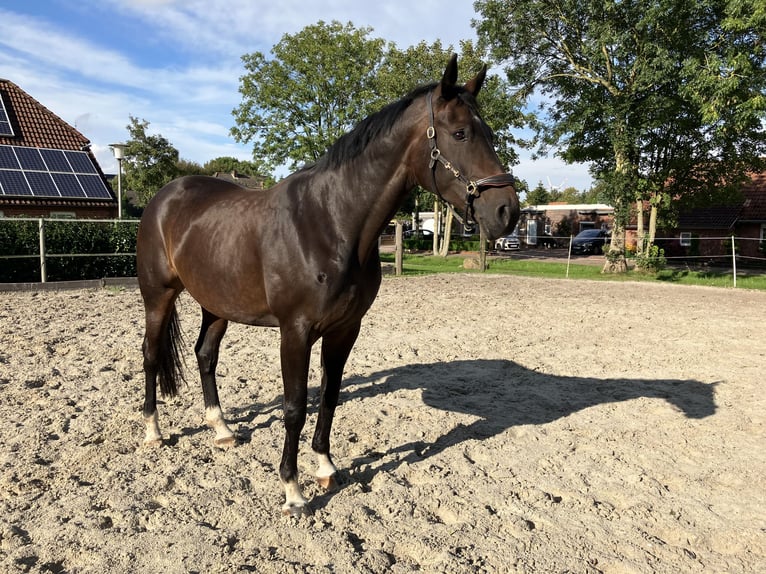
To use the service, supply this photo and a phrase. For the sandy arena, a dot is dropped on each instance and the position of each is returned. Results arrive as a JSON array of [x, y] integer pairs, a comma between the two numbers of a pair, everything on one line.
[[487, 424]]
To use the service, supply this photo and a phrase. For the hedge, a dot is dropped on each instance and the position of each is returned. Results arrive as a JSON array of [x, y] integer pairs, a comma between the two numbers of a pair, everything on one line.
[[65, 237]]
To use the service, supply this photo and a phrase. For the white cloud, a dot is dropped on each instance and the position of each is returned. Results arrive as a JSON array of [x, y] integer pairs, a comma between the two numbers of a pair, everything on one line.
[[185, 80]]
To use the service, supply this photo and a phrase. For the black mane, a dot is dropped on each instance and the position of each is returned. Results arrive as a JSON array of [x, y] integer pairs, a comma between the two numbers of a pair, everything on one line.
[[352, 144]]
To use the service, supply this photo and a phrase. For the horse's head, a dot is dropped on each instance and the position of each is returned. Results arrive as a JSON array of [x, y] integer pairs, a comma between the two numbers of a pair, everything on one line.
[[461, 165]]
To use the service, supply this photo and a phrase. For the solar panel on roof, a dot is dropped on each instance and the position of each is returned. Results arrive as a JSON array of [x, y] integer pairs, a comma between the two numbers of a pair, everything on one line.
[[55, 160], [43, 172], [68, 185], [80, 162], [94, 186], [40, 182], [5, 122], [8, 158], [29, 158], [13, 183]]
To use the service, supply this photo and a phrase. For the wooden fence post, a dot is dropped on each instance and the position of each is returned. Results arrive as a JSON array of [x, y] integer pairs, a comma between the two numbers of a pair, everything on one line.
[[399, 249]]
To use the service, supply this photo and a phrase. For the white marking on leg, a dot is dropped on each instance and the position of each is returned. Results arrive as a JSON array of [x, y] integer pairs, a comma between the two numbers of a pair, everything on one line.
[[296, 504], [326, 472], [223, 435], [153, 435]]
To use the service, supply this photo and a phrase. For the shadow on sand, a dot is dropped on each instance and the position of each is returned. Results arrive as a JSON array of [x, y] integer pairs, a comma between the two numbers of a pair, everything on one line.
[[503, 394]]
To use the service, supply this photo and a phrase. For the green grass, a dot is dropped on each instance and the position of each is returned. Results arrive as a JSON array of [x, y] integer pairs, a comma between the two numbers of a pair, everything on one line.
[[416, 264]]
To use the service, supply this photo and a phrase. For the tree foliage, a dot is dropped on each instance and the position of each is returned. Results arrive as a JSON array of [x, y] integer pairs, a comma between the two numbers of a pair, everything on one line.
[[297, 102], [661, 97], [310, 92], [150, 162]]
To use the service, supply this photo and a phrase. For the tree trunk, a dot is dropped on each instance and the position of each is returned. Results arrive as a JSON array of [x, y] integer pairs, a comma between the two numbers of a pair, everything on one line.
[[447, 233], [615, 261], [652, 225], [640, 226], [615, 256]]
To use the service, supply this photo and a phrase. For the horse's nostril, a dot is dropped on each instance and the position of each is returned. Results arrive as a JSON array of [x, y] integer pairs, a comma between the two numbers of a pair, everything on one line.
[[504, 214]]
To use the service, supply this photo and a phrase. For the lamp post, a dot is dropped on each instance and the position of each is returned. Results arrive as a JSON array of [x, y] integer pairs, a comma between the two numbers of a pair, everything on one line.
[[118, 149]]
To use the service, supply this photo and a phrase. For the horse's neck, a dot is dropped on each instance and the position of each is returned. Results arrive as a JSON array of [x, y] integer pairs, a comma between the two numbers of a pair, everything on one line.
[[378, 188]]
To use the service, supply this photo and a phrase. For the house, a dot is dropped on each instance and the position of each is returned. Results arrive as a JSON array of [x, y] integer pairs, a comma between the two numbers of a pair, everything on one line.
[[250, 182], [562, 219], [707, 231], [46, 166], [751, 225]]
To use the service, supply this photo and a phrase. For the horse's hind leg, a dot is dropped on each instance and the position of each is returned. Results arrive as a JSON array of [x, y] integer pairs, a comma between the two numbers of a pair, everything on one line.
[[159, 311], [208, 344], [336, 348]]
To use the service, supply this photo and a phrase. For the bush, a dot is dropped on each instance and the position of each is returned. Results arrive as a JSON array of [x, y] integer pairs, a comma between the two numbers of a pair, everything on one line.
[[651, 259], [64, 237]]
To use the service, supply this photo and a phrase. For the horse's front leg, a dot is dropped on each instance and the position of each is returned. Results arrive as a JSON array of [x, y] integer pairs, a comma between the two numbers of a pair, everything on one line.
[[295, 352], [336, 348]]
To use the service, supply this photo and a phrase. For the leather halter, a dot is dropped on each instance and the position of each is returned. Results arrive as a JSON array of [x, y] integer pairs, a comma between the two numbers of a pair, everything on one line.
[[473, 187]]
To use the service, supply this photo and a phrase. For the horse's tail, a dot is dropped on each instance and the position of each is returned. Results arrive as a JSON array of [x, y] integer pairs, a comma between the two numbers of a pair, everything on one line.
[[171, 367]]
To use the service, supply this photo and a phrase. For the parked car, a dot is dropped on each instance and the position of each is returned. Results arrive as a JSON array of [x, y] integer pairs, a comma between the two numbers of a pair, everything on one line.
[[507, 243], [418, 234], [590, 242]]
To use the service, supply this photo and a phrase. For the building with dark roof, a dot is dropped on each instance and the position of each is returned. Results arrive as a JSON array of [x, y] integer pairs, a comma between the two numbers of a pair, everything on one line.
[[707, 231], [46, 166]]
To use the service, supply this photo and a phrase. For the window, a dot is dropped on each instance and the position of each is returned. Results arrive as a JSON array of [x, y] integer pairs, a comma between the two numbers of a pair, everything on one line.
[[686, 239], [763, 232], [63, 215]]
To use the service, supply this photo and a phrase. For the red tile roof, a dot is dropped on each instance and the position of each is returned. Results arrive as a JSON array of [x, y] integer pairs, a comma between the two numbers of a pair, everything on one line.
[[34, 125], [754, 206]]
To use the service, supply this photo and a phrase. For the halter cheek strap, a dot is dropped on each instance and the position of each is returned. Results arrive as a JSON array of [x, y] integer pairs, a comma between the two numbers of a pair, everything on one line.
[[473, 188]]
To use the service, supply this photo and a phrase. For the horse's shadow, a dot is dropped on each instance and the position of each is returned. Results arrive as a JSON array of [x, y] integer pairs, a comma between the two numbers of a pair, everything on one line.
[[503, 394]]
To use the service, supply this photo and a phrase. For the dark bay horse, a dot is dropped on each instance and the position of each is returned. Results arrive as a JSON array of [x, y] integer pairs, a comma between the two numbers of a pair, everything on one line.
[[303, 255]]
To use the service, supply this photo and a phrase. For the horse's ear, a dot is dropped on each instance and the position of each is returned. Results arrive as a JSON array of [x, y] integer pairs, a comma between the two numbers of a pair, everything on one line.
[[449, 79], [475, 84]]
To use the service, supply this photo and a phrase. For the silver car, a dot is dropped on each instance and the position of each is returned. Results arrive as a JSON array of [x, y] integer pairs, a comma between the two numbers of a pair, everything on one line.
[[507, 243]]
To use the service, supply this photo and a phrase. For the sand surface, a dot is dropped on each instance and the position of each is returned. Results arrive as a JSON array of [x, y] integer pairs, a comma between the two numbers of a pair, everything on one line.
[[486, 424]]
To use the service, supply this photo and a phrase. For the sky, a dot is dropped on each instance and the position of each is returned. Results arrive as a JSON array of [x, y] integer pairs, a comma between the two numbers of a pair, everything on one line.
[[177, 63]]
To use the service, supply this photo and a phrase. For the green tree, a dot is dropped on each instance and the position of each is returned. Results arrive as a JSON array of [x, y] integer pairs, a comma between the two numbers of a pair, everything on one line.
[[188, 167], [665, 98], [538, 196], [298, 102], [227, 164], [150, 162]]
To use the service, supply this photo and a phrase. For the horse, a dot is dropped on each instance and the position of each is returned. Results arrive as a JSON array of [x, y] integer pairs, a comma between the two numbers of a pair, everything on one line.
[[303, 255]]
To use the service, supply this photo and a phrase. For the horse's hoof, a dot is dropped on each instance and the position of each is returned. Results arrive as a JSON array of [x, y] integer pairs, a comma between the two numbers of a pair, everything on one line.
[[329, 483], [225, 442], [297, 510], [153, 443]]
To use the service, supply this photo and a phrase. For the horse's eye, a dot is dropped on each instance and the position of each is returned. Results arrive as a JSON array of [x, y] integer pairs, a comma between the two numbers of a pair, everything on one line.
[[459, 135]]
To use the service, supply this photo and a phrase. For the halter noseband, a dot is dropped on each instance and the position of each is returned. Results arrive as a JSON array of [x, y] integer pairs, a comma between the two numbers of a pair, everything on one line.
[[473, 188]]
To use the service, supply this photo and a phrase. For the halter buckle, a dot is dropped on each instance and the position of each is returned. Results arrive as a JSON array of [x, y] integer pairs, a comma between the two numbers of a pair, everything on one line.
[[431, 132]]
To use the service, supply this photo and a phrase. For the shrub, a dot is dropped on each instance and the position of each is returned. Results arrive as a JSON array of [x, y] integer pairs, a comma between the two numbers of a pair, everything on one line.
[[78, 238], [651, 259]]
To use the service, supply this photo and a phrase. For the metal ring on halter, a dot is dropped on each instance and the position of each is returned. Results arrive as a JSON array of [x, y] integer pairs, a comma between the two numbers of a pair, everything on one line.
[[473, 188]]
